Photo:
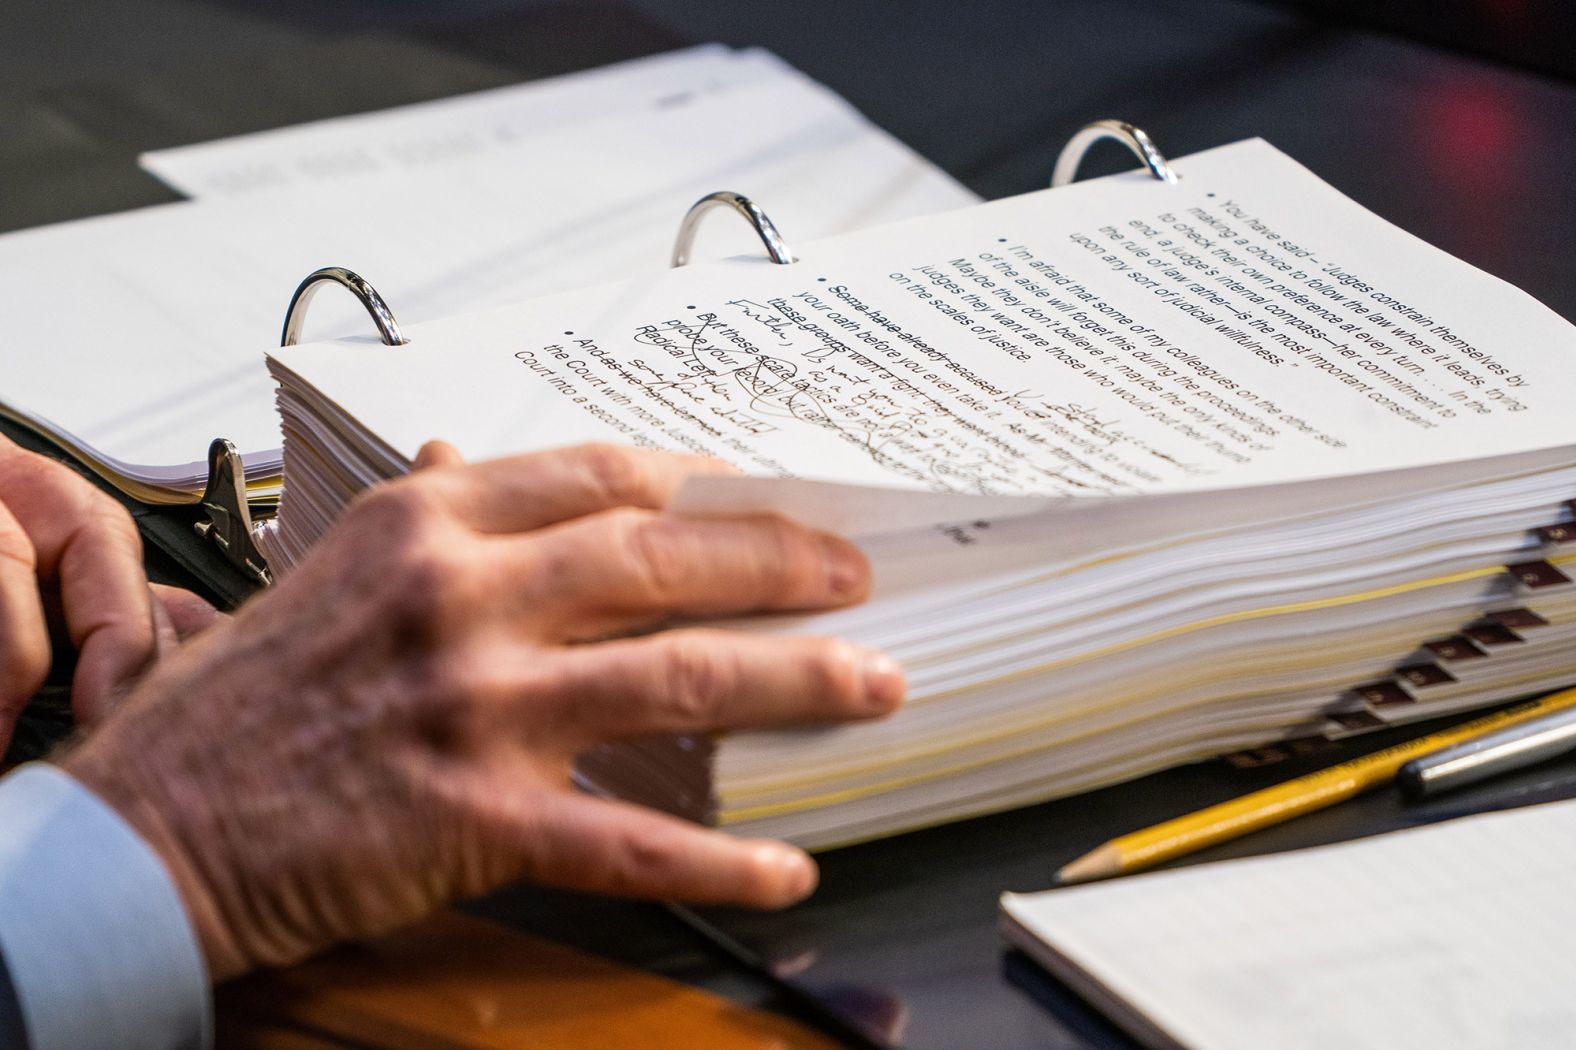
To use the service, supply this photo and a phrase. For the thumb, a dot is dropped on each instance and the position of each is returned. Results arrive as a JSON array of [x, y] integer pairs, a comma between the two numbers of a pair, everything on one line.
[[437, 454], [184, 613]]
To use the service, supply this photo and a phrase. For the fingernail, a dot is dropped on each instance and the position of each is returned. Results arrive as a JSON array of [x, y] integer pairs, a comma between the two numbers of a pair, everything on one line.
[[883, 680], [797, 875], [847, 572]]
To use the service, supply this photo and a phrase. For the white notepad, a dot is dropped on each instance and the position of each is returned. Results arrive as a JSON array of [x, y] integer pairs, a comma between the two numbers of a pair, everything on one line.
[[1449, 937]]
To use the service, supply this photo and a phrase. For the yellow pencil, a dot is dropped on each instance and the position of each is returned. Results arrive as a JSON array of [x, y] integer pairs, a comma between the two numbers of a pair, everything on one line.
[[1160, 843]]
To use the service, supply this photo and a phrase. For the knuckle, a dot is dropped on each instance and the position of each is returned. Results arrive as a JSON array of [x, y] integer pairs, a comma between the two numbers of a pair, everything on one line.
[[96, 499], [450, 699], [549, 703], [791, 554], [56, 475], [397, 508], [476, 676], [111, 519], [431, 578], [41, 470], [780, 560], [550, 577], [638, 860], [16, 547], [422, 570], [23, 669], [111, 510], [31, 470], [616, 477], [441, 703], [832, 671], [654, 552], [699, 677]]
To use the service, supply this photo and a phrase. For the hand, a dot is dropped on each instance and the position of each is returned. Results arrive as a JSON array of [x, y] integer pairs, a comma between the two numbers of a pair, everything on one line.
[[393, 725], [71, 566]]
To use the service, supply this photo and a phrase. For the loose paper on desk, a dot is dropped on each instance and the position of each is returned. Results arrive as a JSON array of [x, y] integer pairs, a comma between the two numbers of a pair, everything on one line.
[[1451, 937], [185, 298], [1247, 325], [345, 152]]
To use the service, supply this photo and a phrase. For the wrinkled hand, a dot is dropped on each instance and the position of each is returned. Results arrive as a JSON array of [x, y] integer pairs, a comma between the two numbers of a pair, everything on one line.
[[71, 567], [394, 724]]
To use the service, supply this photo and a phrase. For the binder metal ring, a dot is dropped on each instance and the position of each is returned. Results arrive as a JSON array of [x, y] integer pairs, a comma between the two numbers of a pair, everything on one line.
[[764, 229], [377, 309], [1132, 137]]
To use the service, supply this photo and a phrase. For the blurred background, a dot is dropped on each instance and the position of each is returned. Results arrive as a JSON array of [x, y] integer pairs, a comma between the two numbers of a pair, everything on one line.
[[1452, 117]]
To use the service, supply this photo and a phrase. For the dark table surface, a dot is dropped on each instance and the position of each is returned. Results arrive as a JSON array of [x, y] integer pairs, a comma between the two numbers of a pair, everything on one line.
[[1475, 155]]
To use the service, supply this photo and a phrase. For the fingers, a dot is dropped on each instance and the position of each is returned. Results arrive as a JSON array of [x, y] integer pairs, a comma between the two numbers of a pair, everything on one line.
[[86, 544], [24, 635], [165, 637], [619, 848], [108, 608], [698, 680], [627, 568], [437, 454], [187, 614], [527, 492]]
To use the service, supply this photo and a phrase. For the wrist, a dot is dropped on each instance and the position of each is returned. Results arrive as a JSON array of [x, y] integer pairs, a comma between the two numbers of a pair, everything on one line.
[[141, 798]]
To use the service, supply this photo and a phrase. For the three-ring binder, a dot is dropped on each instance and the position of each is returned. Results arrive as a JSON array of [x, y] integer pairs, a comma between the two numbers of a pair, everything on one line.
[[377, 309], [230, 525], [776, 249], [1129, 135]]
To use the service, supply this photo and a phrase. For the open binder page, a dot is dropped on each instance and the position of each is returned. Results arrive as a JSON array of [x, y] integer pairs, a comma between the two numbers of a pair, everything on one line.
[[1247, 325], [186, 297], [1451, 936], [347, 151]]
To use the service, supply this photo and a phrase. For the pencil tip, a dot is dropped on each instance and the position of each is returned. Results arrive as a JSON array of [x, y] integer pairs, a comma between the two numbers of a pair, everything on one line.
[[1099, 863]]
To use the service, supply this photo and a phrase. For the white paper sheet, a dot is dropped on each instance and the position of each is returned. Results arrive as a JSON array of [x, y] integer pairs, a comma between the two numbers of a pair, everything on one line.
[[1452, 937], [142, 334], [345, 152]]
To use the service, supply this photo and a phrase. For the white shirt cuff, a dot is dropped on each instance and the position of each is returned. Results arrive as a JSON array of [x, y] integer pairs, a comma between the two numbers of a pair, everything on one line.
[[94, 934]]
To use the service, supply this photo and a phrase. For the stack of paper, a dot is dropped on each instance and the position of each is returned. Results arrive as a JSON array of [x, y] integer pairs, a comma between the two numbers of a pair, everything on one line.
[[1210, 462], [143, 333], [1451, 937]]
